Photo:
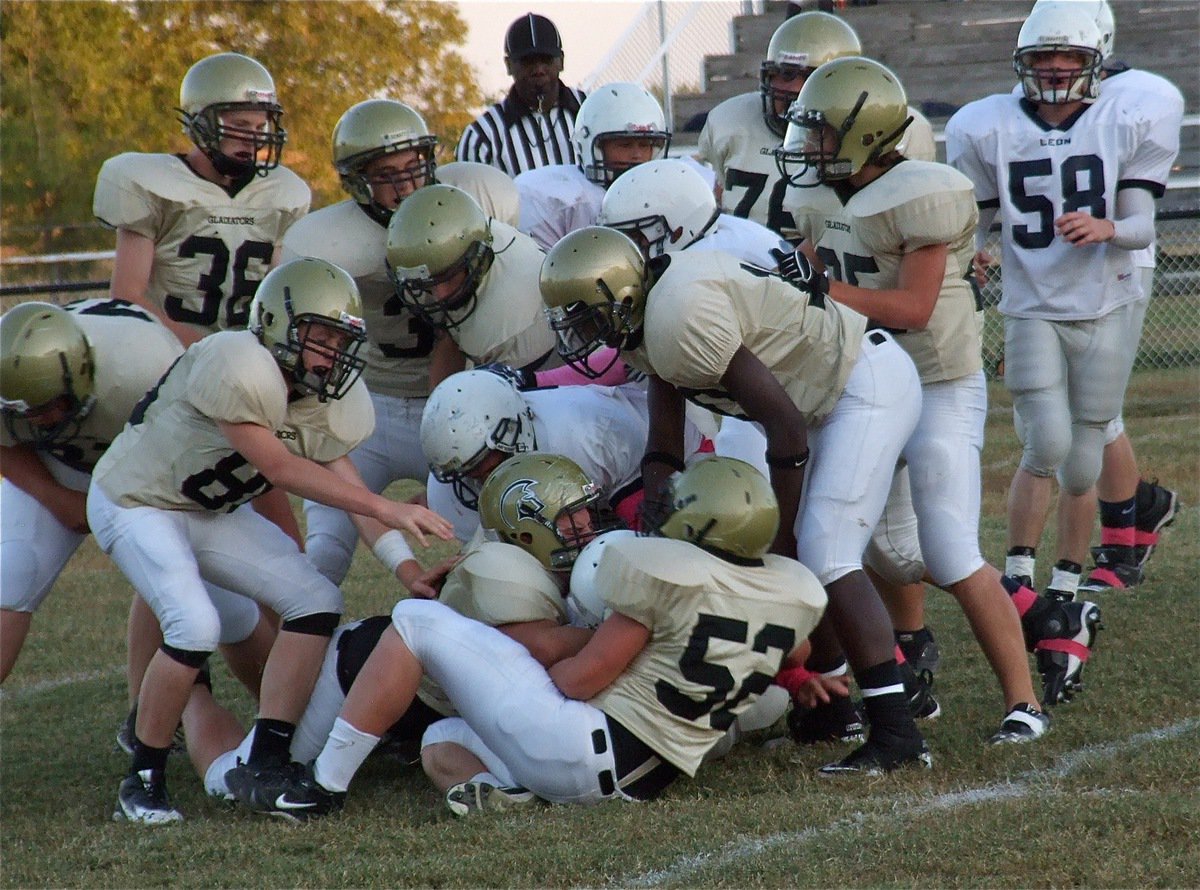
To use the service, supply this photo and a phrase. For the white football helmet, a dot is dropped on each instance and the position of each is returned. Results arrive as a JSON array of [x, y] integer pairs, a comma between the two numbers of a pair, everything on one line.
[[617, 110], [1101, 12], [585, 608], [468, 415], [663, 205], [1059, 27]]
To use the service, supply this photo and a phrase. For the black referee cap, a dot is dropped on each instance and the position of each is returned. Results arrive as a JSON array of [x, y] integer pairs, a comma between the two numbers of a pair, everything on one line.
[[532, 35]]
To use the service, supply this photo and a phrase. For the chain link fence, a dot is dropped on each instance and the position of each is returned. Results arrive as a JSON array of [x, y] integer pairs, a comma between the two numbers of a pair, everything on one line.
[[1171, 334]]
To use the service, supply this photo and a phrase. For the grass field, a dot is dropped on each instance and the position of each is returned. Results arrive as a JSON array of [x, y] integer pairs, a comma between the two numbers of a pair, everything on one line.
[[1110, 798]]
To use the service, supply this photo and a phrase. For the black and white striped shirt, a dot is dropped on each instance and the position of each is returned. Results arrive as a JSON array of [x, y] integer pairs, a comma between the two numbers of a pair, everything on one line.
[[513, 137]]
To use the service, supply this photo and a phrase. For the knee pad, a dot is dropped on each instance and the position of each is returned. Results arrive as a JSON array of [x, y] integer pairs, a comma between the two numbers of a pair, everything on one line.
[[186, 657], [319, 624], [1082, 467]]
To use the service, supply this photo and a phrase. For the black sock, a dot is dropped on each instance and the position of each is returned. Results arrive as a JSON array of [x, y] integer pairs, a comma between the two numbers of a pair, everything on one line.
[[272, 742], [884, 699], [146, 757]]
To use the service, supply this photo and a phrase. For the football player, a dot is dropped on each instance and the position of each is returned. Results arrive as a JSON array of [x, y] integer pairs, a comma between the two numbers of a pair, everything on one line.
[[630, 711], [68, 382], [472, 278], [383, 152], [279, 404], [740, 134], [1132, 510], [619, 126], [747, 342], [1074, 178], [515, 580], [196, 232], [666, 207], [476, 419], [898, 245]]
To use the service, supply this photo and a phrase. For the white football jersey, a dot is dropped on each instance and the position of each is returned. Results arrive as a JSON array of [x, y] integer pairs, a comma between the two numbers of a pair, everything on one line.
[[212, 248], [1034, 173], [601, 428], [703, 307], [172, 455], [863, 242], [718, 634], [123, 376], [497, 584], [555, 201], [509, 321], [398, 342], [490, 186], [744, 239]]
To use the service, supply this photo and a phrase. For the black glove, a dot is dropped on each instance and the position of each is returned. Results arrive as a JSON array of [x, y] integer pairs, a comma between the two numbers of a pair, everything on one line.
[[519, 377], [797, 269]]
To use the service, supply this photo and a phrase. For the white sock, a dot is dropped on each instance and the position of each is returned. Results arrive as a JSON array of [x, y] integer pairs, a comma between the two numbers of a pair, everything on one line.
[[342, 755], [487, 777], [1067, 582], [1015, 566]]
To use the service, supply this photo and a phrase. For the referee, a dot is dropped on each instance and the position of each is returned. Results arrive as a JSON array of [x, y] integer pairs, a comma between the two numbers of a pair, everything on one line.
[[532, 126]]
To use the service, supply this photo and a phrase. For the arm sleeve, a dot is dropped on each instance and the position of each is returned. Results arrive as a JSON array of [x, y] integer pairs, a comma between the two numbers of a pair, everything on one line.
[[1134, 223], [986, 216]]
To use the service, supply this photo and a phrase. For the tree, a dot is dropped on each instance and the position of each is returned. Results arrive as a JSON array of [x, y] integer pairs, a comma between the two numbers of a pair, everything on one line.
[[85, 81]]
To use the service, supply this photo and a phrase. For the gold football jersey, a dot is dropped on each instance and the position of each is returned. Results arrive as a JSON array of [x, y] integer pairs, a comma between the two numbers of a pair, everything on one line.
[[122, 377], [740, 147], [497, 583], [492, 188], [704, 306], [211, 247], [913, 205], [398, 342], [509, 323], [718, 633], [172, 454]]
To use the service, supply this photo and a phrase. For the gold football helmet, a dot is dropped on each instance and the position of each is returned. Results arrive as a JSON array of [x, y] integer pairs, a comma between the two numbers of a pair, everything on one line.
[[538, 502], [225, 83], [294, 309], [439, 248], [594, 285], [801, 45], [47, 374], [850, 113], [373, 129], [721, 504]]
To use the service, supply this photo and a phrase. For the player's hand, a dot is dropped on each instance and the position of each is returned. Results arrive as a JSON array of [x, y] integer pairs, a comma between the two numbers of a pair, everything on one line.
[[426, 583], [416, 520], [1081, 228], [820, 690], [980, 263], [520, 378], [796, 268]]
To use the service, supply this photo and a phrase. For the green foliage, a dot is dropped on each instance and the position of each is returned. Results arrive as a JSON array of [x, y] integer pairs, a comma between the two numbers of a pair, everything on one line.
[[85, 81], [1110, 798]]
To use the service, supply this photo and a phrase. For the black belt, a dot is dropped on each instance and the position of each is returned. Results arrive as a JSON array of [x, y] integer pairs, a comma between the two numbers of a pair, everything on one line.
[[643, 774], [877, 338]]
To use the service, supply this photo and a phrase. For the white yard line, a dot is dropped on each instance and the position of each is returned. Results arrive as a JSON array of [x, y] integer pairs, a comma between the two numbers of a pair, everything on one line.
[[1025, 785], [38, 688]]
